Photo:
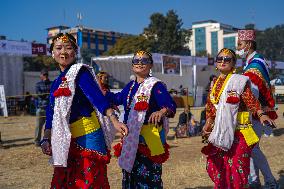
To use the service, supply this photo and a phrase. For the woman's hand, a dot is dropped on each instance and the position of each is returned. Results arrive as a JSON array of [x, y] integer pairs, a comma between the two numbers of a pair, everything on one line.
[[265, 120], [46, 147], [121, 128], [156, 117], [207, 128], [45, 143]]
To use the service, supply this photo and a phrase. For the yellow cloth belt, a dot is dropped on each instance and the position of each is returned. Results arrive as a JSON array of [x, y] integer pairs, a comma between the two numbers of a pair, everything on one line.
[[245, 127], [85, 125], [243, 118], [151, 134]]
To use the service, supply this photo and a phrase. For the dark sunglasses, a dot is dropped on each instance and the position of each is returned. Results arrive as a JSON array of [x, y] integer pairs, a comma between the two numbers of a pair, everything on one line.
[[141, 61], [224, 59]]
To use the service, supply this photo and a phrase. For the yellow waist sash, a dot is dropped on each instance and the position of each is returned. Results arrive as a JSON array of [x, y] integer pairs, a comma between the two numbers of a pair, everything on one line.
[[85, 125], [151, 134], [245, 127]]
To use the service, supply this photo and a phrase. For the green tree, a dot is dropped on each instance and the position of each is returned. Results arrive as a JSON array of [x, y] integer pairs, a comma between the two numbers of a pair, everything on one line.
[[270, 43], [37, 63], [166, 34], [130, 44], [87, 55], [203, 53], [250, 26]]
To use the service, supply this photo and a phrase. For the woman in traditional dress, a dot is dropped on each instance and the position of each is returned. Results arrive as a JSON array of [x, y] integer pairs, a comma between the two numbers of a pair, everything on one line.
[[147, 105], [77, 134], [229, 108]]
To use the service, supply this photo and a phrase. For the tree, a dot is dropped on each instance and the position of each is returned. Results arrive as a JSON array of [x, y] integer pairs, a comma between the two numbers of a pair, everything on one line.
[[270, 42], [37, 63], [130, 44], [87, 55], [203, 53], [166, 34], [250, 26]]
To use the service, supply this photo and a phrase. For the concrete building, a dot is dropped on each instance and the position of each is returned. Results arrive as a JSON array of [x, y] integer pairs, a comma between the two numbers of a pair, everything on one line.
[[211, 36], [88, 38]]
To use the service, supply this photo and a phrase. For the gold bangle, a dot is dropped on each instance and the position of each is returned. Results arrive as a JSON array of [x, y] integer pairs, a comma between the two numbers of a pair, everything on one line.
[[112, 114], [210, 123]]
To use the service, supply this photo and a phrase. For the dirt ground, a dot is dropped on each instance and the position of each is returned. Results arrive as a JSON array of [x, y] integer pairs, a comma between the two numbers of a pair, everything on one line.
[[22, 165]]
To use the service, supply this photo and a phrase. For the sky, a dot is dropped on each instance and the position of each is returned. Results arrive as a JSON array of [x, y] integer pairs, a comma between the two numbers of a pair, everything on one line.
[[28, 19]]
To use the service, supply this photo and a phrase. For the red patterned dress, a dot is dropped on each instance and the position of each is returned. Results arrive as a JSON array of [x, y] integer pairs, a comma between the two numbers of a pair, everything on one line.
[[230, 169]]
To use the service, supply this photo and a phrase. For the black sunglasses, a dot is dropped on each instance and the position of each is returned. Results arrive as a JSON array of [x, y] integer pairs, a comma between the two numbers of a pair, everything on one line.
[[141, 61], [224, 59]]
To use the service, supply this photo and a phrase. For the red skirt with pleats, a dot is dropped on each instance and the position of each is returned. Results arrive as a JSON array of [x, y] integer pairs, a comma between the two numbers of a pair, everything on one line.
[[229, 169]]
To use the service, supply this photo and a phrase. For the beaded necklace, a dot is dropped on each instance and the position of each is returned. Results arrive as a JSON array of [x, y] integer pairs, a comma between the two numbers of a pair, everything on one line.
[[128, 101], [213, 92]]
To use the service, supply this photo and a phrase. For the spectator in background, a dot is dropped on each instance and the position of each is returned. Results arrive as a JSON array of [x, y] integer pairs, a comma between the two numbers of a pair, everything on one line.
[[211, 78], [209, 85], [42, 90], [187, 118], [27, 102], [103, 79], [202, 119], [173, 92]]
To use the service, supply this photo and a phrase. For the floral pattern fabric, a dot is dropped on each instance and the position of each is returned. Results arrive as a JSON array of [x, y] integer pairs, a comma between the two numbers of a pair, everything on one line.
[[85, 169], [145, 174], [229, 169]]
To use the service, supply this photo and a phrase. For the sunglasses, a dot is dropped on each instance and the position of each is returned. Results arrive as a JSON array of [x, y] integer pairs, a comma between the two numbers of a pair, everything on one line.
[[224, 59], [141, 61]]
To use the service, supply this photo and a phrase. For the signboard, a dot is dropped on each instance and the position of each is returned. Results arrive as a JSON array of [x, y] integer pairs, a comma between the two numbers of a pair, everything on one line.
[[201, 61], [186, 60], [157, 58], [3, 105], [38, 49], [171, 65], [15, 47]]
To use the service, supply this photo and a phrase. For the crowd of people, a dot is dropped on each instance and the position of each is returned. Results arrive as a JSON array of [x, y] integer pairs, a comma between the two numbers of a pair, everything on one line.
[[81, 121]]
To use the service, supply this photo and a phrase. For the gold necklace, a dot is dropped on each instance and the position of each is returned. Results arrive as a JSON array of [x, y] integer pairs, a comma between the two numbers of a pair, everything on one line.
[[213, 92]]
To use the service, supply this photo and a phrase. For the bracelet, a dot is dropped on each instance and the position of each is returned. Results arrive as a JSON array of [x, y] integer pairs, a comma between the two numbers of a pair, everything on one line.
[[44, 140], [261, 114], [210, 123], [112, 114]]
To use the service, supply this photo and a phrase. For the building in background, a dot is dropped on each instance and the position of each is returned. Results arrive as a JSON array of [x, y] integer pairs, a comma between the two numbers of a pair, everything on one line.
[[99, 41], [211, 36]]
